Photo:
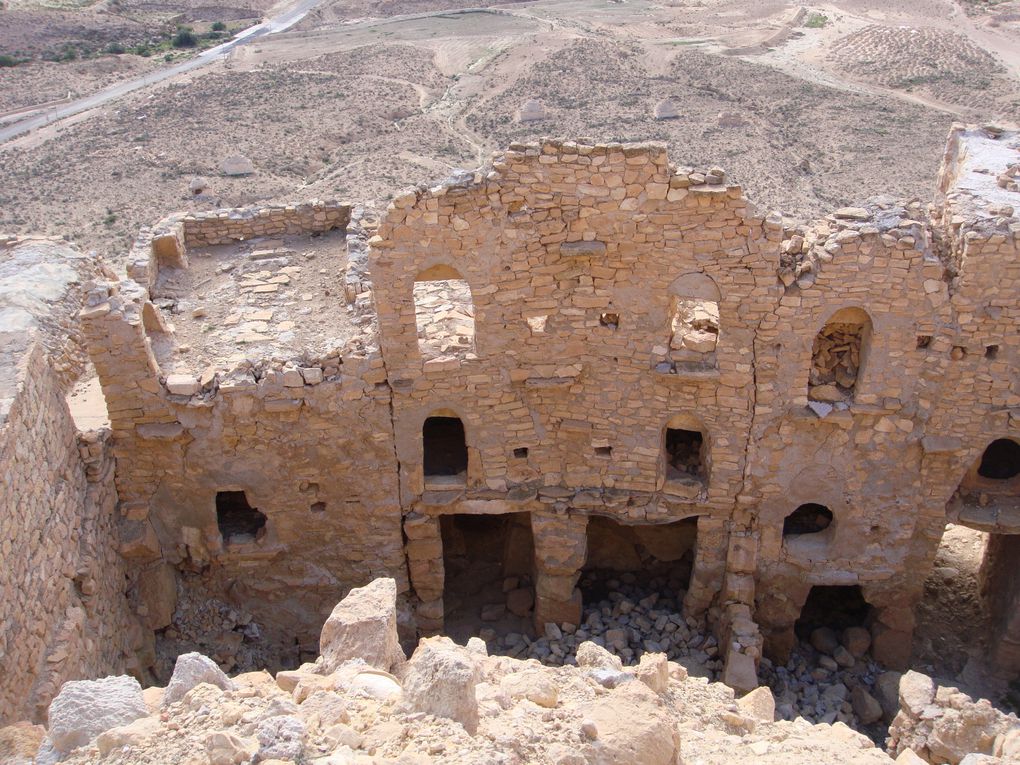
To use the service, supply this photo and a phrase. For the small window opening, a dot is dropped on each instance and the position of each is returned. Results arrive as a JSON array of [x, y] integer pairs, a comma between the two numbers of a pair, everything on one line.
[[809, 518], [991, 351], [444, 446], [610, 320], [923, 341], [837, 356], [684, 453], [521, 452], [444, 313], [694, 327], [318, 507], [603, 451], [1001, 460], [237, 520]]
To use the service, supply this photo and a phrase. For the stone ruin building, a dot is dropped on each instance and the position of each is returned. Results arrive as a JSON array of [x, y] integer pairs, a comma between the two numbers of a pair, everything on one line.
[[579, 356]]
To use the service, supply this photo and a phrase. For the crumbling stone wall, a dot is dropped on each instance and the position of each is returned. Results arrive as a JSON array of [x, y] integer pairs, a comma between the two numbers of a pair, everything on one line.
[[311, 447], [65, 613], [597, 242]]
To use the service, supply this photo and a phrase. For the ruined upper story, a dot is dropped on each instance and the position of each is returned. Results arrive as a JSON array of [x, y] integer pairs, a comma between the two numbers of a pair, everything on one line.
[[588, 313]]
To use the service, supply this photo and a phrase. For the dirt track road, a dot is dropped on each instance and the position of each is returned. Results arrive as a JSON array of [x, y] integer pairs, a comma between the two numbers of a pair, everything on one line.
[[285, 19]]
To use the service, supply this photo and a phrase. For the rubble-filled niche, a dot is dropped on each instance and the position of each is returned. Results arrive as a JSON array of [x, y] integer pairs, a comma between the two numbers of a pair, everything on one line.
[[834, 606], [238, 521], [488, 562], [693, 320], [838, 356], [444, 313], [686, 455], [444, 449], [661, 558]]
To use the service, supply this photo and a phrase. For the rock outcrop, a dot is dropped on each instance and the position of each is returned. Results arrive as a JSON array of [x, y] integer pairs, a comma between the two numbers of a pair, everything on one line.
[[940, 724]]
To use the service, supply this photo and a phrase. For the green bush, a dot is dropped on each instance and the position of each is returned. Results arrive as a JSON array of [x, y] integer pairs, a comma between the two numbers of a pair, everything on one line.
[[115, 48], [6, 60], [219, 26], [816, 21], [184, 38]]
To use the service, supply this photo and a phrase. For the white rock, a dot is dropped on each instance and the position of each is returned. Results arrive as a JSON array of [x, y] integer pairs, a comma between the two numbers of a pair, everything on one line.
[[85, 708], [362, 626], [225, 748], [440, 680], [190, 670], [237, 165]]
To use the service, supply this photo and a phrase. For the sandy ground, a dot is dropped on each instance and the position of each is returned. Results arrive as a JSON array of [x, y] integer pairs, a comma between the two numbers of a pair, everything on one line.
[[808, 109]]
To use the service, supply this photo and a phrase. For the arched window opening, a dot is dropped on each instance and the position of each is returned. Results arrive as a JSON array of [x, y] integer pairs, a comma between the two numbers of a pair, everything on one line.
[[1001, 460], [238, 521], [444, 448], [693, 321], [684, 454], [444, 313], [838, 355], [809, 518]]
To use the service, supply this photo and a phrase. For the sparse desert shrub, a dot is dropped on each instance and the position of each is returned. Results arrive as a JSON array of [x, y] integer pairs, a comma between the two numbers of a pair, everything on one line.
[[115, 49], [816, 20], [185, 38], [6, 61], [219, 26]]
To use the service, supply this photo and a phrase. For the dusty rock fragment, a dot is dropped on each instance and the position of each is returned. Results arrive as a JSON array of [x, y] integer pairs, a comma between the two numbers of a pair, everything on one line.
[[226, 748], [85, 708], [363, 625], [190, 670], [440, 680]]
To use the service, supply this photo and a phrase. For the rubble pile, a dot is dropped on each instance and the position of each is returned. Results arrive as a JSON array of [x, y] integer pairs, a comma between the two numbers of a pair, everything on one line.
[[448, 704], [229, 635], [835, 362], [833, 678], [632, 619]]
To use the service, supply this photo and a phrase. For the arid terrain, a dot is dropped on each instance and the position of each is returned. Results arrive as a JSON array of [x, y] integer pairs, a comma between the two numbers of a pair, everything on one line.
[[806, 107]]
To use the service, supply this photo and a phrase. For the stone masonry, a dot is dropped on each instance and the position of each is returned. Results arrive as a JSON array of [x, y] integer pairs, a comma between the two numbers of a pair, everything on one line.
[[582, 310]]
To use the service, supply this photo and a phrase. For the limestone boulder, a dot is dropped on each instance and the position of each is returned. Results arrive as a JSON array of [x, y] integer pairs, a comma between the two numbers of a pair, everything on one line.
[[190, 670], [653, 671], [362, 626], [237, 165], [281, 737], [866, 707], [133, 734], [535, 685], [226, 748], [594, 656], [440, 680], [630, 726], [916, 692], [759, 705], [85, 708]]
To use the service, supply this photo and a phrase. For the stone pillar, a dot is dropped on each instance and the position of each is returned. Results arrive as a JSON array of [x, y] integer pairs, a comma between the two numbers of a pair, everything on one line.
[[561, 546], [709, 566], [1000, 587], [425, 565]]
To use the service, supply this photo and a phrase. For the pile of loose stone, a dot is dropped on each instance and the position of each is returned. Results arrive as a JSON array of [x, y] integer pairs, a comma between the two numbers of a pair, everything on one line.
[[228, 635], [831, 679], [835, 361], [633, 619]]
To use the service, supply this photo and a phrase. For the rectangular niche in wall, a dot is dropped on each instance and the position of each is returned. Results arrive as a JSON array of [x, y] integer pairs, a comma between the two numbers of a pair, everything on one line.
[[237, 520], [444, 448]]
